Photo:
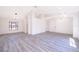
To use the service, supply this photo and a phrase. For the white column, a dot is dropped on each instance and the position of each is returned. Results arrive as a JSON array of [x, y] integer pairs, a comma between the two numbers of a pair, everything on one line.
[[76, 27]]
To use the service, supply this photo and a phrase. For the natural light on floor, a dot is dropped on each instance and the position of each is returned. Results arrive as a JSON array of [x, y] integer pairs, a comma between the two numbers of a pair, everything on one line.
[[72, 42]]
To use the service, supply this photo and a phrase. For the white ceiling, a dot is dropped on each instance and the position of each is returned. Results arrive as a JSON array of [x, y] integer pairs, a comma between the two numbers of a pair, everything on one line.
[[60, 9], [53, 10]]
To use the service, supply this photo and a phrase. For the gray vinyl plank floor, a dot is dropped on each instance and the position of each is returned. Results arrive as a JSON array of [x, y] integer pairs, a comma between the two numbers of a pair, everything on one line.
[[44, 42]]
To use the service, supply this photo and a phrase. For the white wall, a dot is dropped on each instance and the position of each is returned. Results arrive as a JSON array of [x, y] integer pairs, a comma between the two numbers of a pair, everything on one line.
[[52, 25], [57, 23], [7, 14], [61, 24], [36, 25], [5, 27], [76, 26]]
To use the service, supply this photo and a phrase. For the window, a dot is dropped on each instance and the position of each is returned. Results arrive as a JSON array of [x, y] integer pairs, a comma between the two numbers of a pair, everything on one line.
[[13, 25]]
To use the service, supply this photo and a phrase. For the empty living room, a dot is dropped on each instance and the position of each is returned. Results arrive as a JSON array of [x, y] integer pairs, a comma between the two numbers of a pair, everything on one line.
[[39, 29]]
